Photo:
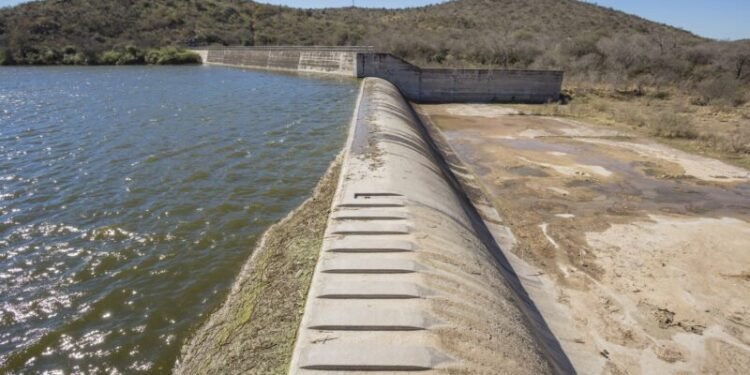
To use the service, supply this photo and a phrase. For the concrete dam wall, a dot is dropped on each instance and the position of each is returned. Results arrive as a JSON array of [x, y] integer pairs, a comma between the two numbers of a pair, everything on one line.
[[328, 60], [407, 279], [417, 84], [462, 85]]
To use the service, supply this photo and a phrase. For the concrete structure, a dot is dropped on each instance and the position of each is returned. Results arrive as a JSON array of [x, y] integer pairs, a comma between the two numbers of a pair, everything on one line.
[[418, 85], [203, 53], [409, 277], [462, 85], [327, 60]]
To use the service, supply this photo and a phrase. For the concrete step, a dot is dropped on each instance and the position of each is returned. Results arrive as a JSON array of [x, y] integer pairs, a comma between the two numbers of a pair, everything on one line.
[[363, 264], [368, 245], [370, 227], [369, 316], [370, 290], [370, 357], [374, 202], [370, 214]]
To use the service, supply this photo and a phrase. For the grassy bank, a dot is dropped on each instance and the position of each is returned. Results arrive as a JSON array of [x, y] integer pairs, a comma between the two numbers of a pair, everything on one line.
[[255, 330], [129, 55], [713, 125]]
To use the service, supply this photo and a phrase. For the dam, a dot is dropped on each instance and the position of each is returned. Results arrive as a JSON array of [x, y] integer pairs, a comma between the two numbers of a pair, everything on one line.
[[416, 84], [408, 279], [409, 276]]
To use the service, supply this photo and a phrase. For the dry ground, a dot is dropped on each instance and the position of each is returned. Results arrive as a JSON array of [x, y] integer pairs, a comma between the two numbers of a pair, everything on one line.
[[646, 248], [717, 129]]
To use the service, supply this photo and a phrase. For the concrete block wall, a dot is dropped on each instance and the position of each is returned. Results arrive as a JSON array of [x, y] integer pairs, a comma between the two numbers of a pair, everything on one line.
[[462, 85], [403, 75]]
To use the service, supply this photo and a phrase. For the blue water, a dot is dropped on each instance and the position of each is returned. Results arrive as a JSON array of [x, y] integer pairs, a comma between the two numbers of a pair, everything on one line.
[[131, 197]]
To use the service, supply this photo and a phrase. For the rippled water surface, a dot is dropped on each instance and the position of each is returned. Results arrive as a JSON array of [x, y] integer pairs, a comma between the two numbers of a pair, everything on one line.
[[130, 198]]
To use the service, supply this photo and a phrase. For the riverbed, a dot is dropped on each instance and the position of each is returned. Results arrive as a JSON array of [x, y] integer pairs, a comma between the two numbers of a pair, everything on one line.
[[643, 249]]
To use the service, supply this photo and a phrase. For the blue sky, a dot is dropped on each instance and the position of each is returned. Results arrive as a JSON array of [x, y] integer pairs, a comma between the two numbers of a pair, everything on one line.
[[718, 19]]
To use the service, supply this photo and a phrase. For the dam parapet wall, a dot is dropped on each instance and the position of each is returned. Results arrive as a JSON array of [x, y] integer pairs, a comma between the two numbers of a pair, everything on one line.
[[417, 84], [462, 85]]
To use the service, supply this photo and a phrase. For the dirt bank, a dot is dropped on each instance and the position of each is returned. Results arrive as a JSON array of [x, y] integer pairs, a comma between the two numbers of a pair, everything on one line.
[[254, 331], [646, 249]]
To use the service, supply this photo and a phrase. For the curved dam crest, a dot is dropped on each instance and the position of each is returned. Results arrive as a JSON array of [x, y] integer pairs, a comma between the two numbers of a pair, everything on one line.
[[408, 277]]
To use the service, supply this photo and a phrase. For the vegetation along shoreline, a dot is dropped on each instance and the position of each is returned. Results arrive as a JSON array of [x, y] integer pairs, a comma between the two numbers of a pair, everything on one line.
[[130, 55]]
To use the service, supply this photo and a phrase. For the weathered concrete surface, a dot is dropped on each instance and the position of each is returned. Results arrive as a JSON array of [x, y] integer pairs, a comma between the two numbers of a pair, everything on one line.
[[409, 278], [203, 53], [326, 60]]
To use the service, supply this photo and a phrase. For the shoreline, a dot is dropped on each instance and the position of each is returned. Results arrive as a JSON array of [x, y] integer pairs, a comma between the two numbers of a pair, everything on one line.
[[254, 330]]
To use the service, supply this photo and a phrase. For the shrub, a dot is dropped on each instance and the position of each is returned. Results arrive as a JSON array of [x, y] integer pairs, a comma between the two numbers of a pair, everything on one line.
[[700, 55], [128, 58], [661, 95], [50, 56], [109, 58], [36, 56], [131, 55], [737, 141], [75, 59], [2, 58], [72, 57], [171, 56], [581, 45], [723, 90], [671, 125]]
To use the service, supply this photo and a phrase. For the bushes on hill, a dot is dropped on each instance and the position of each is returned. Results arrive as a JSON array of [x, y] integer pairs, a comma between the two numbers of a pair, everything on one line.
[[672, 125], [129, 55], [171, 56], [591, 44]]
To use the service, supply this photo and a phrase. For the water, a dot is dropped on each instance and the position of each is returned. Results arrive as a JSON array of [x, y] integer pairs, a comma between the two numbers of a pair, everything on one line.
[[131, 197]]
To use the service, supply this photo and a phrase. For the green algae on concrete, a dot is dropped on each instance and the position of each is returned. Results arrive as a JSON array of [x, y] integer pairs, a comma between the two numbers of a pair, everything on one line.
[[255, 330]]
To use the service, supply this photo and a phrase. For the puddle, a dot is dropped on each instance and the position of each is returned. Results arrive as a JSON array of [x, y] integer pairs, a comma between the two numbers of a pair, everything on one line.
[[646, 185], [524, 170]]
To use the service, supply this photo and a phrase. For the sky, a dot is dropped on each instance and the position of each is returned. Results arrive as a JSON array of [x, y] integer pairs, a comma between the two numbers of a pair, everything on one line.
[[717, 19]]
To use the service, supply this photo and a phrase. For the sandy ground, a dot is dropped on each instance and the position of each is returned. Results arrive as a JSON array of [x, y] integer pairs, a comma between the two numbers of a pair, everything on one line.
[[255, 329], [645, 249]]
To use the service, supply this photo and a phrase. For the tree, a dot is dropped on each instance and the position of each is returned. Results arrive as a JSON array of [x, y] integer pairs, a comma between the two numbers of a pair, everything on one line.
[[741, 62]]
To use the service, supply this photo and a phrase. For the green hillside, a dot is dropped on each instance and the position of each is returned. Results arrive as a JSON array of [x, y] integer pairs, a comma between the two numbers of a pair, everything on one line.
[[589, 42]]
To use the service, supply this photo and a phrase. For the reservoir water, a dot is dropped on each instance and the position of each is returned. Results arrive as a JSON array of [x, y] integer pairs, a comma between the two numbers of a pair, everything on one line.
[[131, 197]]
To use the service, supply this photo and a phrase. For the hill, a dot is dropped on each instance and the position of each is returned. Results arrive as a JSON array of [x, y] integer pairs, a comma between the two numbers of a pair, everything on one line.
[[589, 42]]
